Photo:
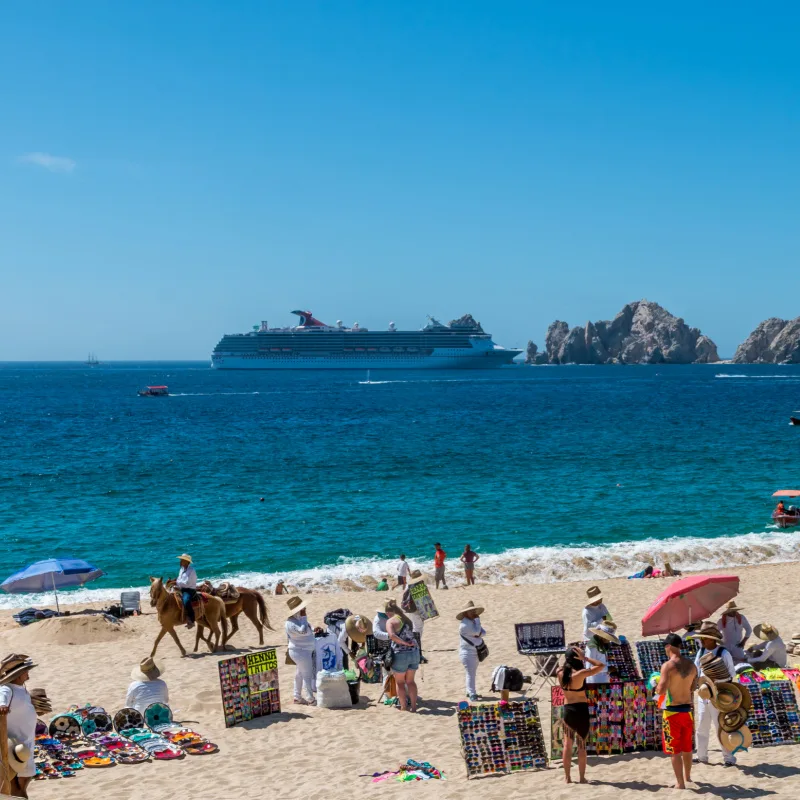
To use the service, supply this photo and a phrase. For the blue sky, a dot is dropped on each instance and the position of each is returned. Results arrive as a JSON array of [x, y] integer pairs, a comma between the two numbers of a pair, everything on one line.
[[173, 171]]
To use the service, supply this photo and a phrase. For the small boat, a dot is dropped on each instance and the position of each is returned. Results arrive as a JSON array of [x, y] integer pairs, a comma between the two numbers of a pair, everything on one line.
[[154, 391], [91, 360], [794, 420], [790, 516]]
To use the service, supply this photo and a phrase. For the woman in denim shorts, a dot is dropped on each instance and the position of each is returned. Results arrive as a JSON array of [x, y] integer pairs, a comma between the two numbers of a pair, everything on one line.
[[406, 657]]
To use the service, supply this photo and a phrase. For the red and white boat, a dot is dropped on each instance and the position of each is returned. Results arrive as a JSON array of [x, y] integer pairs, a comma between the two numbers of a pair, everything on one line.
[[790, 515], [154, 391]]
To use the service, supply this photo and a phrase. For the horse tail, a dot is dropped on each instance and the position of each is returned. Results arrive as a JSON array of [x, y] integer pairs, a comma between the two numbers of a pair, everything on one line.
[[263, 613]]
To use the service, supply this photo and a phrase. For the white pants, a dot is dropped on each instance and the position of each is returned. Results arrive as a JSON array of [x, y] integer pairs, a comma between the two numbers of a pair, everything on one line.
[[469, 658], [304, 672], [707, 719]]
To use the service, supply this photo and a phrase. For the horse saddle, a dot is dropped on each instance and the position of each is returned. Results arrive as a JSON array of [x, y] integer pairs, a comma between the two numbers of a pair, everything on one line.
[[199, 602], [227, 592]]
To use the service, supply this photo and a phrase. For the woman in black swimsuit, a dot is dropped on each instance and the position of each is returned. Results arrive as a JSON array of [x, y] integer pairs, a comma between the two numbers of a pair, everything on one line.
[[572, 679]]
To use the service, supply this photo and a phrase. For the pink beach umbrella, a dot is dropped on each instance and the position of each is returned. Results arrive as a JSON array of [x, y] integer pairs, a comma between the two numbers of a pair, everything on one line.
[[687, 601]]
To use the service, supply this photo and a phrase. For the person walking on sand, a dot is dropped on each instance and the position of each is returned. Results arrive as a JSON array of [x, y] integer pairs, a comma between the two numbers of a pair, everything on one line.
[[471, 635], [301, 650], [677, 682], [187, 585], [468, 558], [16, 705], [403, 571], [438, 566], [405, 651], [735, 629], [572, 679]]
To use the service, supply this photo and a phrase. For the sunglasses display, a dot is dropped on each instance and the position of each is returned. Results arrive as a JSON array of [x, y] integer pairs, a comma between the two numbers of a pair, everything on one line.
[[774, 717], [499, 738], [652, 654]]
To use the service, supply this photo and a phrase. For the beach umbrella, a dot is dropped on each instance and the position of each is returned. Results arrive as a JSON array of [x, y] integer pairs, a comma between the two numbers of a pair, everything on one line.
[[52, 573], [688, 600]]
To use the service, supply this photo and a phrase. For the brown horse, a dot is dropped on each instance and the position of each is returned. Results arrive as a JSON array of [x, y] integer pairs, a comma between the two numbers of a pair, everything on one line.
[[250, 602], [170, 613]]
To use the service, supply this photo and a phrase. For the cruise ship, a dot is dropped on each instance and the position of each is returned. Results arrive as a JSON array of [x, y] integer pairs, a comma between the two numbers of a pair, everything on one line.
[[463, 344]]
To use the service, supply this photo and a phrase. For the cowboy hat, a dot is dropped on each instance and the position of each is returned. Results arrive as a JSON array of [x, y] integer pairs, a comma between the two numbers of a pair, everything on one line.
[[358, 628], [706, 689], [296, 605], [732, 608], [415, 574], [606, 632], [747, 698], [732, 720], [713, 667], [765, 632], [733, 741], [13, 665], [594, 594], [18, 756], [470, 607], [185, 557], [147, 670], [708, 630], [728, 697]]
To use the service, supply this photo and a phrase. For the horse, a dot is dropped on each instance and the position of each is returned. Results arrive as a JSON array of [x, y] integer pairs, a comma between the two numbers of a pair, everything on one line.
[[171, 613], [250, 602]]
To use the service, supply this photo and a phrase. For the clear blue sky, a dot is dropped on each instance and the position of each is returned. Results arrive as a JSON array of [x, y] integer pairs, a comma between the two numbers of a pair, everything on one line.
[[173, 171]]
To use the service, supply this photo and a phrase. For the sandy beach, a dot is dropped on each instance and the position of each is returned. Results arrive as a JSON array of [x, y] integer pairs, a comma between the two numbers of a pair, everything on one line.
[[319, 753]]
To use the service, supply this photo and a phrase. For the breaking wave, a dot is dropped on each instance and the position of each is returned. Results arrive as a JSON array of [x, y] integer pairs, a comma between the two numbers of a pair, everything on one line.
[[515, 566]]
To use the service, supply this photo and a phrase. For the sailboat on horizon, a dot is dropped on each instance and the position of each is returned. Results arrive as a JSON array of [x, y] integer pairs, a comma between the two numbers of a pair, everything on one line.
[[91, 360]]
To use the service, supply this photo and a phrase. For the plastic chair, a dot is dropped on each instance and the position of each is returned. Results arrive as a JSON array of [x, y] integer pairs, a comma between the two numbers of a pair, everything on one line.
[[131, 603]]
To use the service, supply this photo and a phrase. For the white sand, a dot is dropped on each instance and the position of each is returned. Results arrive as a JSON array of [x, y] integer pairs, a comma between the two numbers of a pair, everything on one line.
[[318, 753]]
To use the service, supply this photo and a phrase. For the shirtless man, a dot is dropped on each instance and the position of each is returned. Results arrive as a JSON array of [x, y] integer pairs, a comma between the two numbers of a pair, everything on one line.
[[677, 682]]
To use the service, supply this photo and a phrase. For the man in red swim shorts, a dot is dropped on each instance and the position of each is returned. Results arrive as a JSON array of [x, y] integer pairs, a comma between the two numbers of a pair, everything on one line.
[[677, 682]]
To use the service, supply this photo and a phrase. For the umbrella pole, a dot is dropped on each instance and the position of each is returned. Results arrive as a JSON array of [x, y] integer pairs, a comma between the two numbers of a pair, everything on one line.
[[5, 771], [58, 609]]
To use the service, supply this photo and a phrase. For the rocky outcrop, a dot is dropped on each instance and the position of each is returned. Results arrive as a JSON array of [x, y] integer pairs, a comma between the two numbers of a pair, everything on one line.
[[642, 333], [467, 322], [774, 341]]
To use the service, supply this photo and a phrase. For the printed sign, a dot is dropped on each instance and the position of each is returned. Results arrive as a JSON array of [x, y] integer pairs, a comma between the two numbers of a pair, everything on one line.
[[249, 686], [426, 608]]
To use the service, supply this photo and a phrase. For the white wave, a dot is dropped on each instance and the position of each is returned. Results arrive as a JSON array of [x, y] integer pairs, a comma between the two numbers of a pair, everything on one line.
[[758, 377], [208, 394], [374, 383], [515, 566]]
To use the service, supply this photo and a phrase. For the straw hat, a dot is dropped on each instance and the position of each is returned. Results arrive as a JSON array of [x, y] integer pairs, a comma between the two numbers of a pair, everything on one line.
[[732, 720], [148, 670], [747, 698], [733, 741], [605, 631], [415, 574], [185, 557], [18, 756], [728, 697], [713, 667], [13, 665], [296, 605], [594, 594], [732, 608], [470, 607], [708, 630], [358, 628], [765, 632]]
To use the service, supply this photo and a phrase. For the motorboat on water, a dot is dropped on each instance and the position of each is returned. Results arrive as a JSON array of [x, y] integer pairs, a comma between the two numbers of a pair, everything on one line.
[[154, 391], [794, 420], [786, 516]]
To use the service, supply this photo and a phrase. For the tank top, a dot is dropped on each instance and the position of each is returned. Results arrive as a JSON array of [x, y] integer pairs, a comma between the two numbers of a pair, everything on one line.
[[406, 633]]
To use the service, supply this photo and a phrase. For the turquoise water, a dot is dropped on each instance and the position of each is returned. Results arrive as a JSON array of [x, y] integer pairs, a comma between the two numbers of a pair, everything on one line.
[[550, 472]]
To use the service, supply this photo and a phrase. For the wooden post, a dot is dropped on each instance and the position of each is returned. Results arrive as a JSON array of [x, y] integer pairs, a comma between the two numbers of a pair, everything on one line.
[[5, 776]]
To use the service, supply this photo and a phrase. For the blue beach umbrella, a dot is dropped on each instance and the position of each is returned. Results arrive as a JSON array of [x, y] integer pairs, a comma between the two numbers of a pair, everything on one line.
[[52, 573]]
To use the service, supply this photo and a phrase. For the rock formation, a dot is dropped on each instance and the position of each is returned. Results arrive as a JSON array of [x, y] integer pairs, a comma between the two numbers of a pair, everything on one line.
[[467, 322], [774, 341], [642, 333]]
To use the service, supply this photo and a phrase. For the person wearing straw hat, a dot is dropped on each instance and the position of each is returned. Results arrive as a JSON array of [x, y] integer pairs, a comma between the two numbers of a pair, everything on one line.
[[17, 706], [713, 661], [301, 650], [772, 653], [735, 630], [594, 611], [148, 686], [471, 635], [187, 586], [597, 650]]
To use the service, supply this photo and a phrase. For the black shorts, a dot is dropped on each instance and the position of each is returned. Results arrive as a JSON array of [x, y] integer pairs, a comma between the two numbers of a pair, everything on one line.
[[576, 718]]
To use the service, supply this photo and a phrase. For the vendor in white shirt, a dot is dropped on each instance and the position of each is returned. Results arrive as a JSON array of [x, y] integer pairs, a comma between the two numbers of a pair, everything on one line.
[[403, 571], [597, 650], [594, 612], [770, 654], [187, 585], [16, 705], [735, 630], [148, 687]]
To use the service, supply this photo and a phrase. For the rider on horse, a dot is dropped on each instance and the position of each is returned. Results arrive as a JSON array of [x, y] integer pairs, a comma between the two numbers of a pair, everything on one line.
[[187, 585]]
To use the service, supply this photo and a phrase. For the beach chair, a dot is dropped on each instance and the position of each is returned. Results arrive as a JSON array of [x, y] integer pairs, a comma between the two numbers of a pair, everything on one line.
[[131, 603]]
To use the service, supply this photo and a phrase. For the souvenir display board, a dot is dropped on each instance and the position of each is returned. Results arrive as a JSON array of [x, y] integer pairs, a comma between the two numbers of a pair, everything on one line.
[[774, 717], [540, 637], [618, 713], [652, 654], [426, 608], [499, 738], [249, 686]]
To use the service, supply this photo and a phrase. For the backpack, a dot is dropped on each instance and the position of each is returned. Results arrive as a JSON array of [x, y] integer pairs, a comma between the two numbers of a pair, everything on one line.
[[407, 603]]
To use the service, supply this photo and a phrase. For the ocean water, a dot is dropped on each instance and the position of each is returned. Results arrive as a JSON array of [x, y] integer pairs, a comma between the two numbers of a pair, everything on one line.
[[551, 473]]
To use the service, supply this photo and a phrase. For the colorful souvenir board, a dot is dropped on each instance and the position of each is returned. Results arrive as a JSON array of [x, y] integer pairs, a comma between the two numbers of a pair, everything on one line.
[[249, 686], [426, 608], [774, 717], [500, 738], [618, 712], [621, 663], [652, 654]]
